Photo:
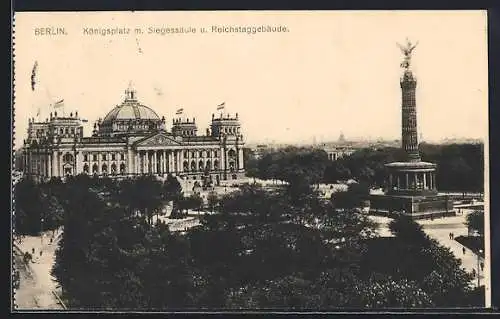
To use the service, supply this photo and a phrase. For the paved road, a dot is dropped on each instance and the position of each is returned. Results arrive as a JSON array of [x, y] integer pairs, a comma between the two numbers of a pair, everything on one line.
[[440, 228], [36, 282]]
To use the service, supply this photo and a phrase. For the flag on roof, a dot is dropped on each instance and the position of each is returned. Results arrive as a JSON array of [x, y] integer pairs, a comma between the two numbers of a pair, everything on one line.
[[33, 75], [221, 106], [59, 103], [179, 111]]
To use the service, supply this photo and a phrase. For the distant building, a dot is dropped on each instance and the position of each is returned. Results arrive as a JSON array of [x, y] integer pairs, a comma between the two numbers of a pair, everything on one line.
[[335, 153], [259, 150], [132, 140]]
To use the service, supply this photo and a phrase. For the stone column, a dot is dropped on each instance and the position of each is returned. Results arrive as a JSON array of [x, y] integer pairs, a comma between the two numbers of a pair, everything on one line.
[[390, 181], [99, 155], [49, 165], [407, 185], [163, 162], [240, 159], [54, 164], [425, 180], [78, 163], [181, 161], [222, 161], [140, 163], [168, 164], [434, 186], [177, 160], [136, 163], [129, 168], [398, 181], [155, 163]]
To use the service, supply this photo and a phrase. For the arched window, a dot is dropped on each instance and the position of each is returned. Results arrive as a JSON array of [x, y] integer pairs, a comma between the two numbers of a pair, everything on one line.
[[201, 167], [216, 154], [231, 166], [113, 168], [216, 164], [122, 168], [186, 154], [104, 169], [86, 168], [185, 166], [232, 153], [66, 131], [193, 166], [68, 158], [94, 169], [201, 153], [207, 165]]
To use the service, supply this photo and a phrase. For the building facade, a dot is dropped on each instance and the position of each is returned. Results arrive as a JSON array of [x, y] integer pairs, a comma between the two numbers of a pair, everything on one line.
[[335, 153], [132, 140]]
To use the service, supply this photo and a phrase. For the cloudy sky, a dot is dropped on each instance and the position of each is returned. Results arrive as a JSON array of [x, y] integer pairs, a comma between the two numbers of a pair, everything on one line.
[[331, 72]]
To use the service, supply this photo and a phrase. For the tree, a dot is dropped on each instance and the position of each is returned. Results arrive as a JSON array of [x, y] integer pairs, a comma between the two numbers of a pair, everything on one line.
[[213, 200], [34, 202], [434, 266], [143, 195], [475, 221], [352, 198]]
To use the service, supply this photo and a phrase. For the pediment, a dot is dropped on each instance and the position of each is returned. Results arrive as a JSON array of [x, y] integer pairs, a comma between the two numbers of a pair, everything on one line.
[[158, 140]]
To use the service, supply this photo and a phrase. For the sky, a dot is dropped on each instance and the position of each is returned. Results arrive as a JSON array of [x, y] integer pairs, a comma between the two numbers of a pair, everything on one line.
[[331, 72]]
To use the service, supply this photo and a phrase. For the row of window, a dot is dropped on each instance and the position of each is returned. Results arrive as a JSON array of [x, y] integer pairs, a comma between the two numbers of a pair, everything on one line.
[[61, 131], [113, 156], [230, 130], [187, 133], [104, 157], [104, 168], [202, 166], [200, 154]]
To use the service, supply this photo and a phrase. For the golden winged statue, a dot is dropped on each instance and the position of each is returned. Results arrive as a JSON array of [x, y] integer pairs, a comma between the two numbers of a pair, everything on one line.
[[407, 49]]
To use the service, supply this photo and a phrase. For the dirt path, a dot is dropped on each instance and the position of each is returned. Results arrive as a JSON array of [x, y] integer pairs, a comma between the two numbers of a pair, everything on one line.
[[36, 284]]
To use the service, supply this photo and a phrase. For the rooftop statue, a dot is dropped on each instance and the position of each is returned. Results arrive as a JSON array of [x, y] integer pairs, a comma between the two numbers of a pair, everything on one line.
[[407, 50]]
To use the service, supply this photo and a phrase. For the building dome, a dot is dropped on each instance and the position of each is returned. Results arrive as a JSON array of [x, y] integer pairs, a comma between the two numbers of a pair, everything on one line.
[[131, 109], [130, 117]]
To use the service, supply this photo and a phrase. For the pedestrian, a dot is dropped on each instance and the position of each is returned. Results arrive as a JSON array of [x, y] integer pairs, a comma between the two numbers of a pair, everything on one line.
[[474, 273], [463, 250], [40, 253], [482, 266], [452, 236], [32, 250]]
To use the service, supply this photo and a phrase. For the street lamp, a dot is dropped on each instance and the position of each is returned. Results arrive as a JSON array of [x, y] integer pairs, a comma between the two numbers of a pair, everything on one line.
[[478, 269], [41, 230]]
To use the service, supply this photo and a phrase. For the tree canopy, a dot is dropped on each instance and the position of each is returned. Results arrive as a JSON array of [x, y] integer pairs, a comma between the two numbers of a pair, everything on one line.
[[460, 166]]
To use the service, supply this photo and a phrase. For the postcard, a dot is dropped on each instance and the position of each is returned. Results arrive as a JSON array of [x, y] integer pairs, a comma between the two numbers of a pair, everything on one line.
[[250, 160]]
